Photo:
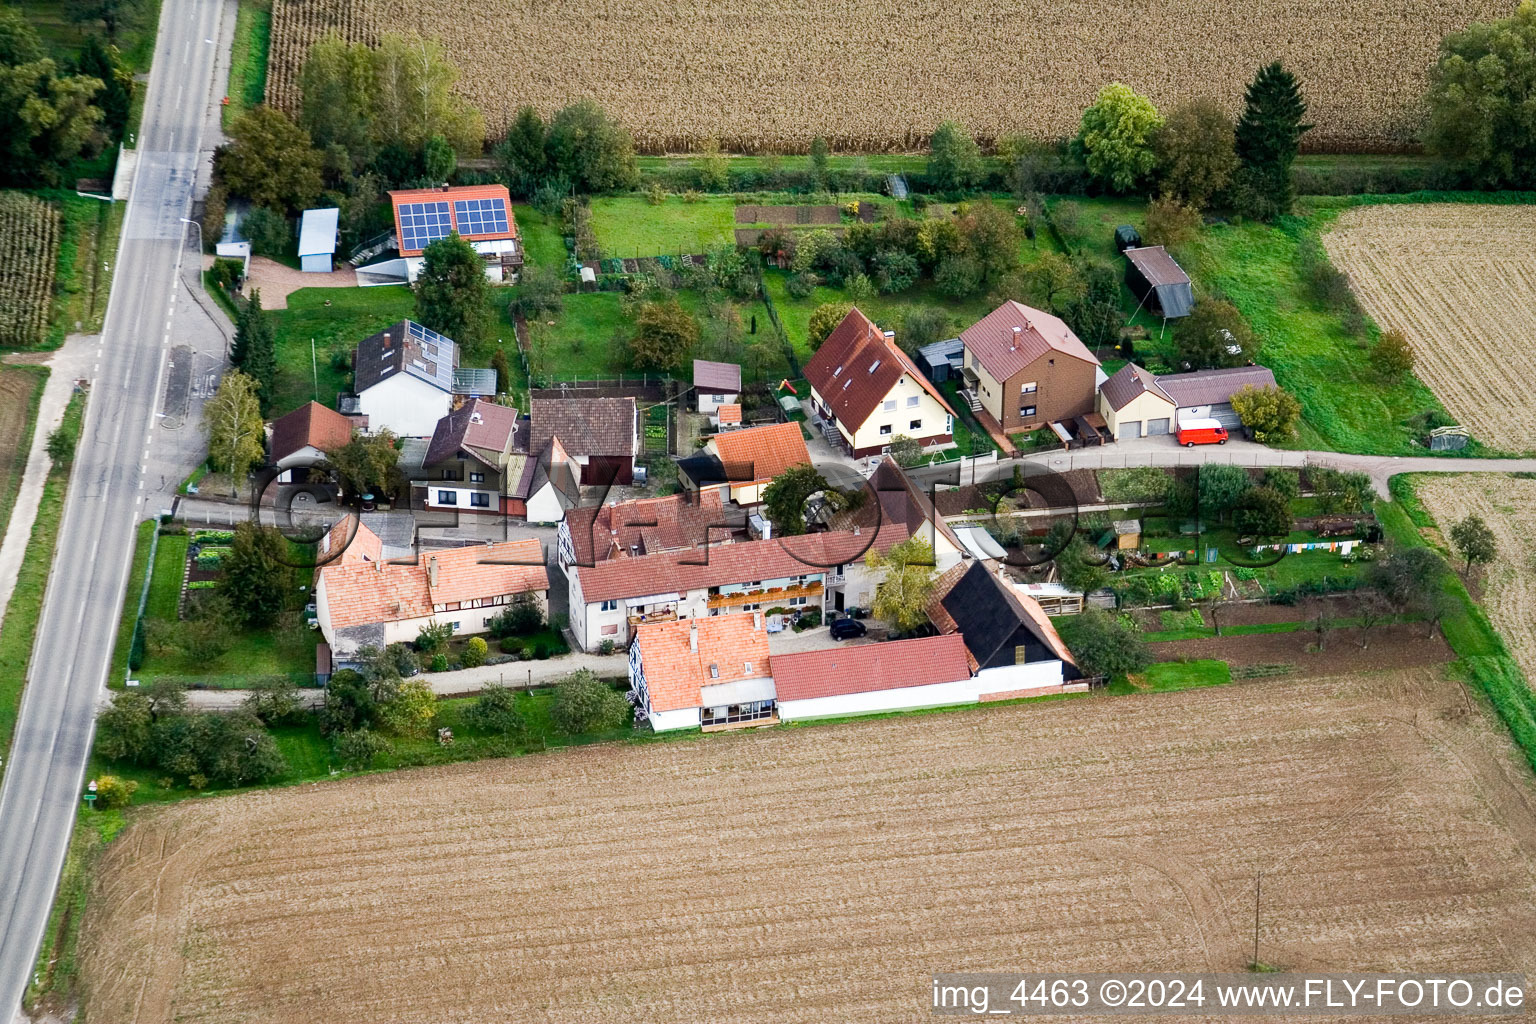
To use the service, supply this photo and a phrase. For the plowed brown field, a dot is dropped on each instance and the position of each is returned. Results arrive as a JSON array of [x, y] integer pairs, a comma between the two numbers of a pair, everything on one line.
[[1459, 281], [871, 75], [1508, 505], [819, 874]]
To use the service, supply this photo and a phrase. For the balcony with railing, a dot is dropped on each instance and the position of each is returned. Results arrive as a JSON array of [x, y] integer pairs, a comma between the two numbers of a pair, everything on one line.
[[767, 596], [659, 615]]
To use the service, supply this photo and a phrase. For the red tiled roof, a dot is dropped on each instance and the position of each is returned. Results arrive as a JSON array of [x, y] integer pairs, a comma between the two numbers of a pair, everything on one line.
[[585, 426], [1004, 352], [769, 450], [724, 564], [675, 674], [354, 542], [729, 413], [310, 425], [449, 195], [1129, 383], [857, 366], [868, 667], [716, 378], [363, 593], [653, 525]]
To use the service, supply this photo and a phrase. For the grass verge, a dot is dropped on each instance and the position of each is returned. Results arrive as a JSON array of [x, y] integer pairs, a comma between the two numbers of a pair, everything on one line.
[[52, 986], [19, 629], [248, 58], [127, 620], [1169, 676], [1482, 659]]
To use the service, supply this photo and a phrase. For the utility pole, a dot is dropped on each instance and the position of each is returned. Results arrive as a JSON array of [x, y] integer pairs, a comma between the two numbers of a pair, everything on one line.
[[1258, 885]]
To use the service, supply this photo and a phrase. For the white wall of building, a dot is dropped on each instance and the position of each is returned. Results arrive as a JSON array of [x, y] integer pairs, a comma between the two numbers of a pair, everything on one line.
[[709, 401], [462, 502], [545, 506], [1042, 675], [911, 403], [407, 405]]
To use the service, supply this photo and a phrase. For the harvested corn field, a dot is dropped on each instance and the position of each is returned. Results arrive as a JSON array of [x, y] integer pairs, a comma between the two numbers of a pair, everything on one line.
[[819, 874], [1458, 281], [1508, 505], [772, 75]]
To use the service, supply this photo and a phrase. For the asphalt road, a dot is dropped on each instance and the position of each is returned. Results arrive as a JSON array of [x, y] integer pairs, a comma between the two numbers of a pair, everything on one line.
[[45, 773]]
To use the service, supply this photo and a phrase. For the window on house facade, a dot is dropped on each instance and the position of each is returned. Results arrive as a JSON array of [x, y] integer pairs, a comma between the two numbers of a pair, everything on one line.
[[456, 626], [1029, 387], [1028, 410], [480, 500], [913, 401], [450, 474], [477, 478], [609, 606], [915, 425], [447, 497], [610, 630], [885, 430], [890, 403], [728, 713]]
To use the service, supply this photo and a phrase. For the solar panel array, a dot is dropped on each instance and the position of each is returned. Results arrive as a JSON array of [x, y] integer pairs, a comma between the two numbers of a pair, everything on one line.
[[422, 223], [481, 216]]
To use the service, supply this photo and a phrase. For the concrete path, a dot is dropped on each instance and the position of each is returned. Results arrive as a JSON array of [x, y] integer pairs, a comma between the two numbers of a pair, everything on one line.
[[454, 684], [1163, 452], [277, 281], [64, 365]]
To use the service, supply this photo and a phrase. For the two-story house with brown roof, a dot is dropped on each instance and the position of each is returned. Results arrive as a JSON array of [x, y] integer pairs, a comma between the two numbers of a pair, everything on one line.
[[1027, 369], [866, 391], [474, 460]]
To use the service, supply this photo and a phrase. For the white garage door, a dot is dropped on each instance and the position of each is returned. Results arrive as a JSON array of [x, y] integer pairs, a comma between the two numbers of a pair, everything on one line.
[[1157, 427], [1130, 429], [1224, 415]]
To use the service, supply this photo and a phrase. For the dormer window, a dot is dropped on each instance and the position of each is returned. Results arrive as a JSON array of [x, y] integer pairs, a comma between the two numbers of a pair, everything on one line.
[[747, 668], [714, 671]]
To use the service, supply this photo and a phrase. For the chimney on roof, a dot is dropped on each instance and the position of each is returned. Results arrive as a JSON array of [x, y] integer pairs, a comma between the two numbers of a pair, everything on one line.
[[757, 621], [888, 334], [1014, 347], [386, 339], [432, 572], [693, 637]]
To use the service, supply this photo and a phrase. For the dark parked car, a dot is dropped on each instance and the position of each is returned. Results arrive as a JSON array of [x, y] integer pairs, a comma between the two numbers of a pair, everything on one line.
[[847, 629]]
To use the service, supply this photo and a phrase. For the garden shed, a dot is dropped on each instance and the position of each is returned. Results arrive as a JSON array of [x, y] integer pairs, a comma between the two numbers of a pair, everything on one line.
[[317, 240], [1158, 281]]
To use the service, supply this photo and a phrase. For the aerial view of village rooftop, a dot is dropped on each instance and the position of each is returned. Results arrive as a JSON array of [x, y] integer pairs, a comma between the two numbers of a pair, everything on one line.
[[790, 513]]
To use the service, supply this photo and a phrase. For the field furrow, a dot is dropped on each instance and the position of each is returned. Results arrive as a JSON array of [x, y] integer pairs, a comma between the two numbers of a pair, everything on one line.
[[1457, 281], [815, 874]]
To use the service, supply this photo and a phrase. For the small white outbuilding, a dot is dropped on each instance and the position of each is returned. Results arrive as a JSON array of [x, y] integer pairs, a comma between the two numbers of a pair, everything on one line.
[[317, 240]]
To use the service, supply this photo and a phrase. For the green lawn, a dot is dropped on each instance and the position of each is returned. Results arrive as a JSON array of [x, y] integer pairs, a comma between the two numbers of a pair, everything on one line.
[[580, 344], [165, 586], [248, 58], [630, 226], [19, 627], [542, 242], [352, 315], [1167, 676]]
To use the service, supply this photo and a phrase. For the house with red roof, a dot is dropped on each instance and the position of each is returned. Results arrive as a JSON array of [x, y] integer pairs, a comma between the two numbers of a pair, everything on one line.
[[866, 391], [474, 460], [1027, 369], [299, 440], [365, 600], [745, 461], [710, 673], [480, 214]]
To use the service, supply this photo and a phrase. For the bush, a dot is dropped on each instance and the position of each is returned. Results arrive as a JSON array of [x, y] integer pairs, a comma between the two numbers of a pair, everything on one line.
[[521, 617], [495, 711], [411, 711], [136, 647], [113, 792], [1146, 483], [360, 747], [432, 637], [606, 647], [439, 662], [474, 652], [809, 619], [585, 704]]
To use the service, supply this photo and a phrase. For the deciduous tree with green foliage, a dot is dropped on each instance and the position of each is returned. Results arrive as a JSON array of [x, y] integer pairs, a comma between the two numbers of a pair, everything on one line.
[[1270, 412], [1053, 283], [452, 293], [413, 97], [337, 106], [271, 161], [1221, 488], [1339, 492], [991, 238], [907, 573], [1170, 222], [236, 434], [1081, 566], [411, 710], [1196, 152], [495, 711], [591, 148], [1144, 483], [102, 61], [664, 337], [1408, 577], [47, 117], [784, 499], [1104, 644], [1475, 541], [954, 159], [584, 704], [258, 576], [1116, 136], [110, 14], [824, 320], [1268, 137], [1480, 101], [1214, 334], [366, 464], [522, 158], [1262, 512]]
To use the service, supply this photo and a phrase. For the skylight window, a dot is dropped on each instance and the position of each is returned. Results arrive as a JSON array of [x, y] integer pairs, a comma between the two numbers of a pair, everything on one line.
[[874, 366], [837, 371]]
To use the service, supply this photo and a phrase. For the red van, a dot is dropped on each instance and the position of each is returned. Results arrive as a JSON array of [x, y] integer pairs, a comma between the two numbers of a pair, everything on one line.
[[1193, 432]]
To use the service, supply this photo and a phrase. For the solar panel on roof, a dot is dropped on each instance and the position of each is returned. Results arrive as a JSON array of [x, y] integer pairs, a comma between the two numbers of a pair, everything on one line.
[[423, 223], [480, 216]]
